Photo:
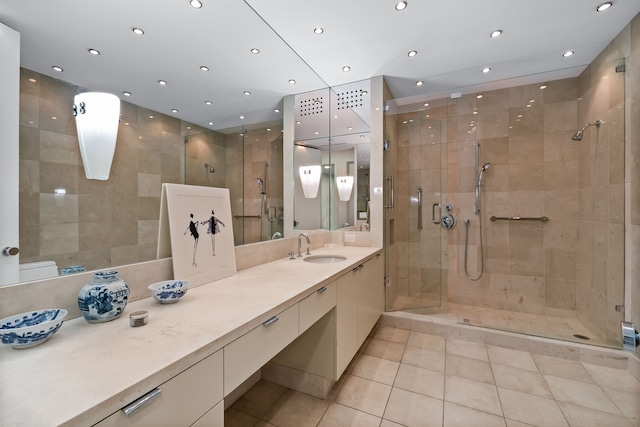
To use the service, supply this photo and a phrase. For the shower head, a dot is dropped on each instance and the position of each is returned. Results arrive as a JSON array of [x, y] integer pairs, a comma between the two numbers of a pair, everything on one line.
[[482, 170], [209, 168], [578, 135]]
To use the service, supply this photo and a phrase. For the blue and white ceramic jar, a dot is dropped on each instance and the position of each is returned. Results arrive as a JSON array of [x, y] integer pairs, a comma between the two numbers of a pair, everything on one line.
[[104, 298]]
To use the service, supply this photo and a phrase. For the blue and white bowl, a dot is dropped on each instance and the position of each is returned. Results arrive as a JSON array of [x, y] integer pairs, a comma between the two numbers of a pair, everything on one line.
[[169, 291], [31, 328]]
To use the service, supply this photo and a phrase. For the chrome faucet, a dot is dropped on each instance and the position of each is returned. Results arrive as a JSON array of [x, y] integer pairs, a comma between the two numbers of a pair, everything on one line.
[[306, 236]]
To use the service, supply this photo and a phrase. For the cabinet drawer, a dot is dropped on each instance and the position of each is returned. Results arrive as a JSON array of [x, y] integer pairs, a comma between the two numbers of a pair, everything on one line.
[[251, 351], [316, 305], [182, 400], [213, 418]]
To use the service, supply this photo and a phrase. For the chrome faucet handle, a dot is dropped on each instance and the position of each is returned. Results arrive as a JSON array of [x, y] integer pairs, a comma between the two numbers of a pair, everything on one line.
[[291, 255]]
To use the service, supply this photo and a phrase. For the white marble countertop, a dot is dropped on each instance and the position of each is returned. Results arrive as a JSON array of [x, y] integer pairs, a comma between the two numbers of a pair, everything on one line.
[[87, 371]]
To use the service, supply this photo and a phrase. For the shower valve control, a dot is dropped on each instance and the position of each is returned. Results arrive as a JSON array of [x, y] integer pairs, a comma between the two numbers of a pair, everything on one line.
[[448, 207], [448, 221]]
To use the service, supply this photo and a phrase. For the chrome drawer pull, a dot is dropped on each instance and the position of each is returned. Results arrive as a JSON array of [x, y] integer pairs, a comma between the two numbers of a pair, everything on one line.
[[142, 401], [322, 289], [271, 321]]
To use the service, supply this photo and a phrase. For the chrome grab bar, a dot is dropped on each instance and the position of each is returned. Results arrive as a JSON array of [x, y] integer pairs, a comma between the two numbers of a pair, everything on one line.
[[247, 216], [518, 218], [392, 204], [434, 219], [419, 208]]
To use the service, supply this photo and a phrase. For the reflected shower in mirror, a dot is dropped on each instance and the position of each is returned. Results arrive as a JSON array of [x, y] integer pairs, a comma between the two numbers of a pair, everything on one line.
[[247, 161]]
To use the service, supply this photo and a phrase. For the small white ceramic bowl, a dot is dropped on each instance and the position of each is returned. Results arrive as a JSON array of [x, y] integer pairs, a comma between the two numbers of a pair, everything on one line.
[[31, 328], [169, 291]]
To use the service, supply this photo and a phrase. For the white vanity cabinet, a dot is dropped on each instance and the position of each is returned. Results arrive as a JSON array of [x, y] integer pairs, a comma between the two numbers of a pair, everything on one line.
[[251, 351], [370, 296], [316, 305], [193, 397], [359, 305]]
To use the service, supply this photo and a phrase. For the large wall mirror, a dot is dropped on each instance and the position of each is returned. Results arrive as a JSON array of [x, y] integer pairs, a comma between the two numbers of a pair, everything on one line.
[[332, 154]]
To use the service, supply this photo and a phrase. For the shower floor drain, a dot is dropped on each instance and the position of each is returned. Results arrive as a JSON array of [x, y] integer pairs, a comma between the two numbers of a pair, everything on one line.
[[582, 337]]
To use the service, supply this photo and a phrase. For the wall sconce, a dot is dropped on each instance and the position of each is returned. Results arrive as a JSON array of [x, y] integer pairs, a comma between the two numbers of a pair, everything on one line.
[[310, 178], [345, 185], [97, 116]]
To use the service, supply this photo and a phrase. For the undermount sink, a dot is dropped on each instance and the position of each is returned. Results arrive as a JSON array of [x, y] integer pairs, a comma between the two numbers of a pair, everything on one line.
[[324, 259]]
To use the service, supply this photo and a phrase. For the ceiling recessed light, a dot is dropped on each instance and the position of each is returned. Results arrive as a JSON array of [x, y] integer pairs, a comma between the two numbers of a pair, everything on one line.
[[32, 80], [174, 110], [350, 128], [241, 117], [426, 104], [419, 83], [208, 102], [276, 110], [138, 31], [195, 3], [125, 93], [495, 33], [298, 122], [162, 82], [346, 68], [486, 70], [401, 5], [246, 92], [94, 51], [364, 92], [318, 30], [58, 69], [151, 117], [479, 96], [291, 81], [210, 123], [204, 68], [412, 53], [568, 53], [604, 6], [543, 87], [255, 51]]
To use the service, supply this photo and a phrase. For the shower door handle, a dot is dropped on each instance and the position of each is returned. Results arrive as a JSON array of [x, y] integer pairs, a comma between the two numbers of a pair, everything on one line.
[[391, 205], [436, 219], [419, 208], [270, 209]]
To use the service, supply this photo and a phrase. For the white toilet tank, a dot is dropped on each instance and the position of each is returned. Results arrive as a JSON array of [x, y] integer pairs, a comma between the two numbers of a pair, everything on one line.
[[38, 270]]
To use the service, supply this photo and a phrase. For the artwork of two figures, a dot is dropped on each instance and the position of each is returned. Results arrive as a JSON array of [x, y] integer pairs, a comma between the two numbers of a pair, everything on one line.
[[200, 230]]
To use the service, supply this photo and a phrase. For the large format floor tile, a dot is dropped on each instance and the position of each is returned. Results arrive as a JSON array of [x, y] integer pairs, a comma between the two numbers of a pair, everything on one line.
[[412, 379]]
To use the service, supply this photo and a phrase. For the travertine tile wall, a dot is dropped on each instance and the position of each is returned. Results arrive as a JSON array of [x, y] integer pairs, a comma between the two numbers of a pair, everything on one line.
[[96, 223]]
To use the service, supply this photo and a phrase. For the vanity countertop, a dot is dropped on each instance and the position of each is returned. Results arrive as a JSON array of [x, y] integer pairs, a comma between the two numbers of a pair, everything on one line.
[[87, 371]]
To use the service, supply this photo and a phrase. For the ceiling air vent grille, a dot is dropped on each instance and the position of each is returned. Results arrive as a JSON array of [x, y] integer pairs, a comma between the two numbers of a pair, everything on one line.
[[350, 99], [311, 106]]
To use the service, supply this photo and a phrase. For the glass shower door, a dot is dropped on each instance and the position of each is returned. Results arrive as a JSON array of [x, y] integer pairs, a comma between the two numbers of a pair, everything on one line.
[[413, 235]]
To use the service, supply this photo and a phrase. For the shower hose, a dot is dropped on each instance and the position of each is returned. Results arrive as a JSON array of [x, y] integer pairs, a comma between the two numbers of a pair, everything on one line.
[[466, 247]]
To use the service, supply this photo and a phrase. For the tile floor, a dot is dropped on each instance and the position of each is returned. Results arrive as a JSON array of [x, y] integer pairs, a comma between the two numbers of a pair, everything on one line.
[[404, 378]]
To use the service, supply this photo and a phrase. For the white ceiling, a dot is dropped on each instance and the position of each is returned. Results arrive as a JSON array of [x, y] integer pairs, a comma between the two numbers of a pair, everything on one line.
[[450, 36]]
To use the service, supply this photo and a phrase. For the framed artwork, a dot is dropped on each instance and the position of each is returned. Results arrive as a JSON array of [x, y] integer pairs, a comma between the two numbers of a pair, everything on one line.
[[196, 229]]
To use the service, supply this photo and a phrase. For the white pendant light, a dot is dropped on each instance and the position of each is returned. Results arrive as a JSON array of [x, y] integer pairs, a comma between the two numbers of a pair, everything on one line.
[[310, 178], [97, 116], [345, 185]]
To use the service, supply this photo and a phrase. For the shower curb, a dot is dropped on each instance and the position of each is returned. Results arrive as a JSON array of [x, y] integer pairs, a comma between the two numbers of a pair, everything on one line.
[[601, 356]]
